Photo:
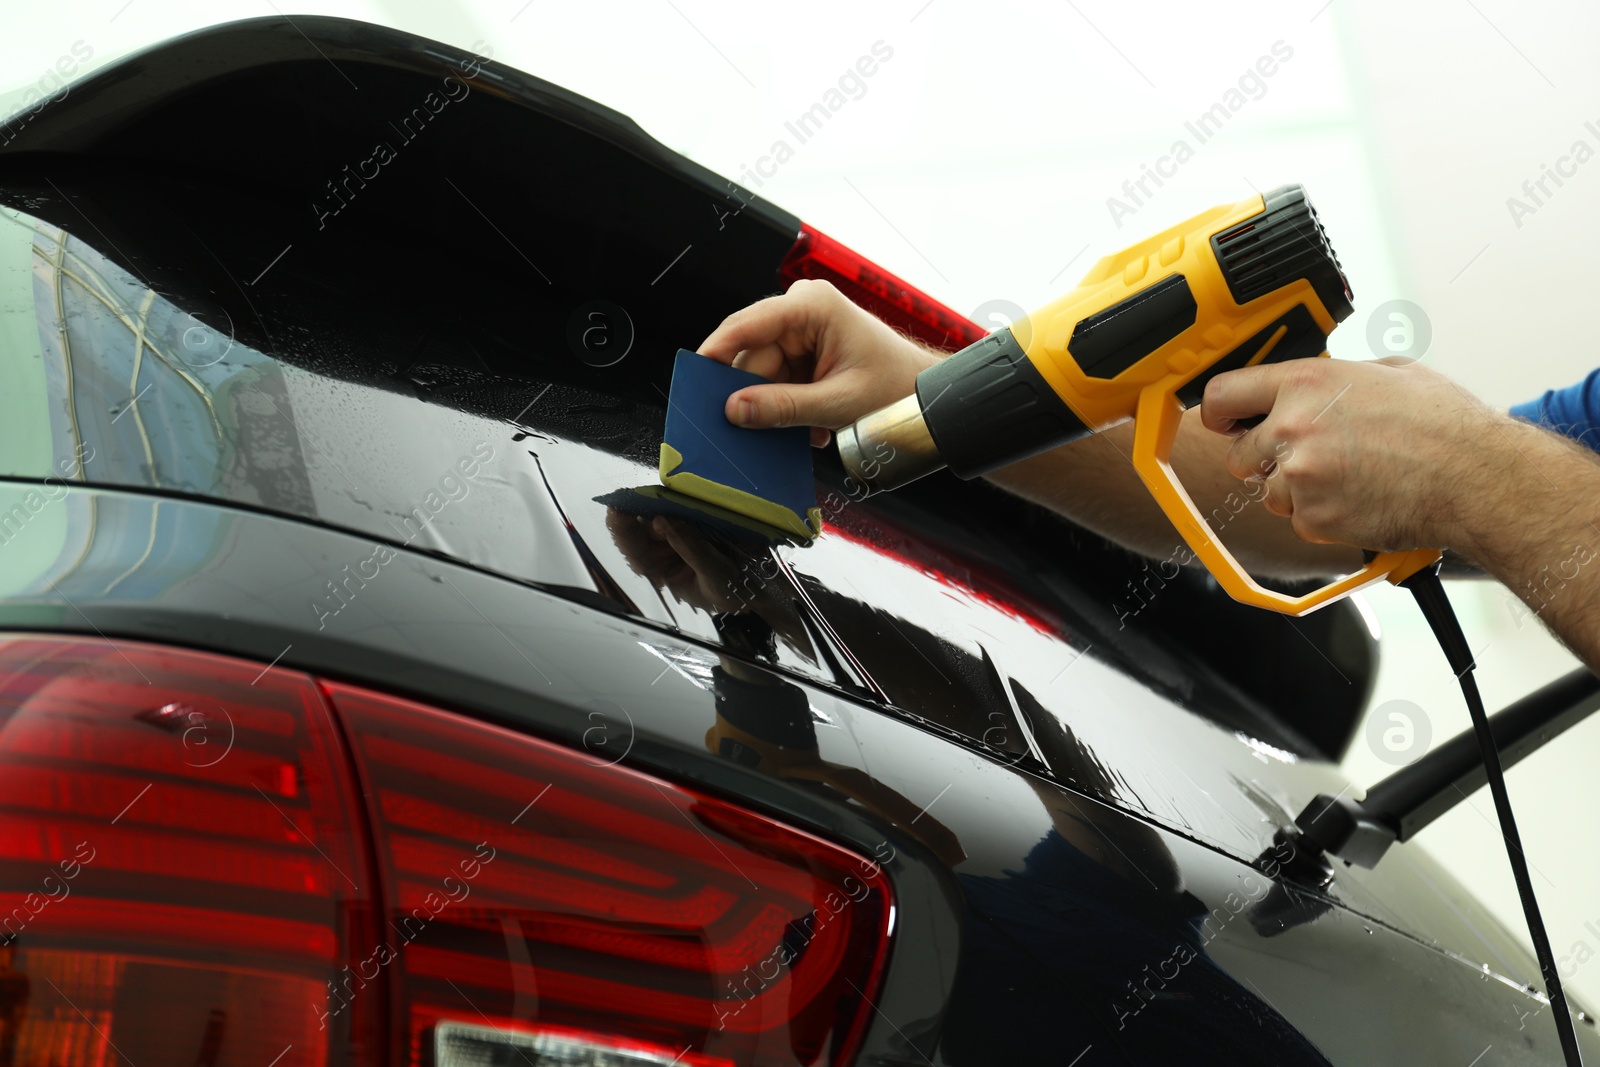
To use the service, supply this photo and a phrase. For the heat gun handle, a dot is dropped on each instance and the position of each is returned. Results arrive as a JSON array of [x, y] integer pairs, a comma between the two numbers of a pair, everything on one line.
[[1154, 430]]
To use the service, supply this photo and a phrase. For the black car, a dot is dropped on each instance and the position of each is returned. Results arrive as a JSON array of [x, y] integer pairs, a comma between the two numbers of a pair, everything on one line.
[[355, 710]]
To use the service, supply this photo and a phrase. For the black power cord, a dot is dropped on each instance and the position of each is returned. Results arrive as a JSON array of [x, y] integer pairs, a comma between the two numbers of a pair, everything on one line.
[[1429, 593]]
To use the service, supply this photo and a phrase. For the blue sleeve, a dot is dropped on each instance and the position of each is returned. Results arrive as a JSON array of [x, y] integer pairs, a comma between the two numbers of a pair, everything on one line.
[[1573, 411]]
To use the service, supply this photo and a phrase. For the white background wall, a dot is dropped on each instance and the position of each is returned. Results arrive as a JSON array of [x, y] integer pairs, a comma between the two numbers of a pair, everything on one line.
[[979, 160]]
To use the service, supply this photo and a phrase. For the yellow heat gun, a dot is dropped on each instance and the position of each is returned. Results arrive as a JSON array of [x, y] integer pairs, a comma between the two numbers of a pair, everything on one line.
[[1139, 338]]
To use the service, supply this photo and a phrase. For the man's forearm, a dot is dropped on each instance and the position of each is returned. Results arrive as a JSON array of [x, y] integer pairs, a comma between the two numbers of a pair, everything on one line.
[[1530, 516], [1093, 482]]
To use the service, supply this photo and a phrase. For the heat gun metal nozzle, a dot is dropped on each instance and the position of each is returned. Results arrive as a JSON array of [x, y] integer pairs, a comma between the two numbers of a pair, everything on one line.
[[980, 409], [888, 448]]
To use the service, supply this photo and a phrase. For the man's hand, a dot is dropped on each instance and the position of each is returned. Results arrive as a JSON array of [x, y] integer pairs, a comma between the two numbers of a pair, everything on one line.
[[1366, 454], [830, 361], [1392, 456]]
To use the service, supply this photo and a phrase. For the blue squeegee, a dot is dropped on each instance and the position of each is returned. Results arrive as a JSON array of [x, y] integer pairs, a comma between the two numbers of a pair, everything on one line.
[[762, 474]]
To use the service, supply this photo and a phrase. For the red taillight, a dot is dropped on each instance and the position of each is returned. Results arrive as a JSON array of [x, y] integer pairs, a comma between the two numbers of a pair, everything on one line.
[[538, 891], [181, 866], [897, 302], [185, 876]]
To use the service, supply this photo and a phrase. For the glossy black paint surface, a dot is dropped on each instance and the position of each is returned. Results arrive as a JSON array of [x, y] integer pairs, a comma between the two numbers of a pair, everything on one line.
[[1084, 798]]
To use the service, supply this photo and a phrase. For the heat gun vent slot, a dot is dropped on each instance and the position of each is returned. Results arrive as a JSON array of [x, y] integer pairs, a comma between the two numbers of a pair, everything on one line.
[[1283, 244]]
